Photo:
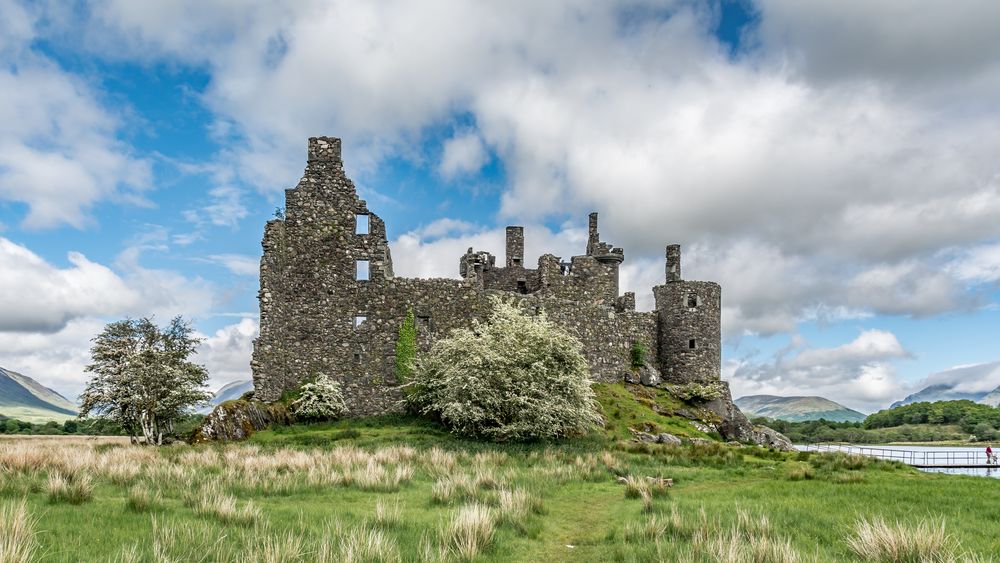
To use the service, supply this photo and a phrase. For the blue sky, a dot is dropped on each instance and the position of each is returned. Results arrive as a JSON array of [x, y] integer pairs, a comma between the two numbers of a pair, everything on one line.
[[832, 164]]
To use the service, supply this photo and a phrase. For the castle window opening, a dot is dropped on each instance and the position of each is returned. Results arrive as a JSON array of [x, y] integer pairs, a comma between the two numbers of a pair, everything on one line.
[[692, 300], [693, 344], [359, 320], [357, 357], [522, 286], [516, 261], [361, 270], [361, 224], [424, 324]]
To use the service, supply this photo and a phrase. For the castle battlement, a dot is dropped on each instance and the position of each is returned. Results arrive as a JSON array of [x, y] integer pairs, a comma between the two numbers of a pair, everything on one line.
[[330, 302]]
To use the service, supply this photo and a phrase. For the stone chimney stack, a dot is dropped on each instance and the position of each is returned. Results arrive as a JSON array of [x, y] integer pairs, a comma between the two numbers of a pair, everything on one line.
[[515, 246], [593, 238], [324, 149], [673, 263]]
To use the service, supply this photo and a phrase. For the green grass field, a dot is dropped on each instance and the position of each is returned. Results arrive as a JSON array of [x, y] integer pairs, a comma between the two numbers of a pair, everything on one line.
[[401, 489]]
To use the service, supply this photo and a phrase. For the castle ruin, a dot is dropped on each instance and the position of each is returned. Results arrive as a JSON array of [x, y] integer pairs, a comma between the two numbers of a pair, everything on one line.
[[330, 303]]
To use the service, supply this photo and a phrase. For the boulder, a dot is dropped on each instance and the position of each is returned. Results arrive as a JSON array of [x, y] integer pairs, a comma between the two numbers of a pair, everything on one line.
[[237, 420], [665, 438], [764, 436], [648, 375]]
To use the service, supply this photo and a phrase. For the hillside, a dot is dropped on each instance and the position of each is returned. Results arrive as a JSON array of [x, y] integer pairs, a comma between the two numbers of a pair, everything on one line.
[[992, 399], [797, 409], [25, 399], [939, 392]]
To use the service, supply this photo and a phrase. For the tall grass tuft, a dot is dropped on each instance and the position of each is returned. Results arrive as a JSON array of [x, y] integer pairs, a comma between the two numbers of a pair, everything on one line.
[[636, 487], [470, 531], [387, 515], [453, 488], [222, 507], [274, 548], [77, 489], [877, 540], [141, 498], [366, 544], [17, 534], [735, 546], [657, 527]]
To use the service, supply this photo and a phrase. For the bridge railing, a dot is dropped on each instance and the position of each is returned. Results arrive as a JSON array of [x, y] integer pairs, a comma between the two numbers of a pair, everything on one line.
[[938, 458]]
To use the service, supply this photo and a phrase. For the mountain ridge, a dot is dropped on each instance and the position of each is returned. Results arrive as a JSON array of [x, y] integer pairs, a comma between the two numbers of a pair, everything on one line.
[[797, 408], [23, 398]]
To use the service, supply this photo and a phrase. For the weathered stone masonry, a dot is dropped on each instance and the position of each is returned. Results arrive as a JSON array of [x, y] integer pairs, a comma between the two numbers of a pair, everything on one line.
[[329, 302]]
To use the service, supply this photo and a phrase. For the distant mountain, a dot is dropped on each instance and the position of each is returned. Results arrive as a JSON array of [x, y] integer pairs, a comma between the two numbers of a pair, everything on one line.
[[992, 399], [25, 399], [797, 409], [940, 392], [228, 392]]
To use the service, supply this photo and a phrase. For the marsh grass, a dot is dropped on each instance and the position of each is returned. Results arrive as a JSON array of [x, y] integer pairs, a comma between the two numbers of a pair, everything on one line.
[[75, 489], [387, 515], [470, 531], [225, 508], [142, 498], [925, 541], [18, 543], [403, 492], [367, 544]]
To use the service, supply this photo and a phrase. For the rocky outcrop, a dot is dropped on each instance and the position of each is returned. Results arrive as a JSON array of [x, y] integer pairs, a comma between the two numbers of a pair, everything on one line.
[[764, 436], [237, 420], [734, 425]]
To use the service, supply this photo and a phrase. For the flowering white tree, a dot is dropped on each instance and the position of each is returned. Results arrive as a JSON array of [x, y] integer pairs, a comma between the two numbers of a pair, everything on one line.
[[320, 400], [142, 378], [514, 377]]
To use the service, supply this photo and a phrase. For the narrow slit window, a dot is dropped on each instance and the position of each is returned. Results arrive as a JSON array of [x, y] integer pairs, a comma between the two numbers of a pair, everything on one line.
[[522, 286], [357, 357], [693, 344], [692, 300], [361, 270], [359, 320], [361, 224]]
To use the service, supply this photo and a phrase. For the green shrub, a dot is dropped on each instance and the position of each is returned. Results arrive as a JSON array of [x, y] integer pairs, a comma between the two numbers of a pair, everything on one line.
[[697, 391], [406, 348], [320, 400], [638, 355], [514, 377]]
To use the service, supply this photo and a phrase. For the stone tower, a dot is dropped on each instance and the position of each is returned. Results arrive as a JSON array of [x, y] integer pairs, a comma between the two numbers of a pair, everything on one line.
[[690, 325], [324, 264]]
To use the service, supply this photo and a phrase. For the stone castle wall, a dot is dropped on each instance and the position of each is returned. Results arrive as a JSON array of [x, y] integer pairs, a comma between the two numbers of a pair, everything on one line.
[[317, 316]]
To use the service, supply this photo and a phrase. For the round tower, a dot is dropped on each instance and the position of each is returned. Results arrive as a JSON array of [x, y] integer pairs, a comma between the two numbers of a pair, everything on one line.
[[690, 331]]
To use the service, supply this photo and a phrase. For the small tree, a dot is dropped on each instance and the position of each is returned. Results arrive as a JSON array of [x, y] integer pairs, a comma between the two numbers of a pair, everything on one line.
[[320, 400], [406, 348], [142, 378], [515, 377]]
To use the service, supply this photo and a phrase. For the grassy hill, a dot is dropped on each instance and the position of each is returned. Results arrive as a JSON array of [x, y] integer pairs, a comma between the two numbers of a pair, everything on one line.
[[25, 399], [797, 409]]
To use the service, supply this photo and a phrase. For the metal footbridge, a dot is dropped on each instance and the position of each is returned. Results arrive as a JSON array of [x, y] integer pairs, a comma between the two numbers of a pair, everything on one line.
[[921, 459]]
